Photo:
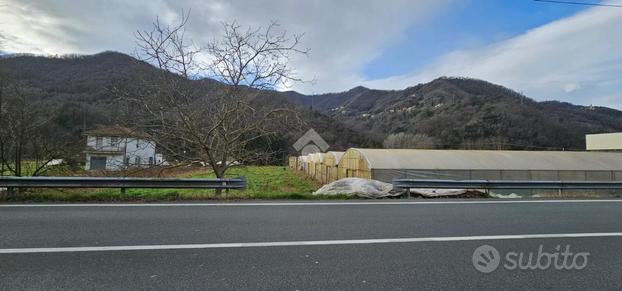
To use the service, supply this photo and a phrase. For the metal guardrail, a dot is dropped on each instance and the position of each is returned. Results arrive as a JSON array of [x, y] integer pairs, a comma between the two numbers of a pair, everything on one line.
[[10, 182], [504, 184], [408, 184]]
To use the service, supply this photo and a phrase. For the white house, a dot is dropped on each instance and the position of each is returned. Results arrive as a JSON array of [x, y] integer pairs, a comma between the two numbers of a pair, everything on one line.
[[115, 148]]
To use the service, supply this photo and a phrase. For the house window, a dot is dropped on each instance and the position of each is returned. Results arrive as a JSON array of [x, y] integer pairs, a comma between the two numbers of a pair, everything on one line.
[[150, 161], [137, 160], [127, 161], [114, 141], [137, 143], [99, 142]]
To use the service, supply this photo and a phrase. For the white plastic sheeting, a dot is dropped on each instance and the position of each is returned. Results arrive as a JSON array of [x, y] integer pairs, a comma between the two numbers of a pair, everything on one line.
[[376, 189], [316, 158], [54, 162], [510, 196], [366, 188], [305, 159], [360, 187], [425, 192], [469, 160], [336, 156]]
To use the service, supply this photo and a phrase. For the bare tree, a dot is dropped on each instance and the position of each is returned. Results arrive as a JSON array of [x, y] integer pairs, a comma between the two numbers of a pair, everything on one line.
[[3, 127], [26, 134], [218, 110]]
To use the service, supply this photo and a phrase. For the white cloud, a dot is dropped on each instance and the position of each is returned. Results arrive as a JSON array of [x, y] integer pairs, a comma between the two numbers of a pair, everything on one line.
[[577, 59], [570, 87], [343, 35]]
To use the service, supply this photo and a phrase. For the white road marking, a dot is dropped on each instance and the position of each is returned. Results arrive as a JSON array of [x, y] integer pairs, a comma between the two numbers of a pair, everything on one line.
[[306, 243], [155, 204]]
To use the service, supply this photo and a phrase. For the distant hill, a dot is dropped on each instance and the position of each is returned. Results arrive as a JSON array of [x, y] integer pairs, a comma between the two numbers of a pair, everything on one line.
[[466, 113], [444, 113], [77, 91]]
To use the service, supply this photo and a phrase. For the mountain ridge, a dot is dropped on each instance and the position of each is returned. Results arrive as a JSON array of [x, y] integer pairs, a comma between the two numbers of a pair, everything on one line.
[[445, 113], [78, 92], [457, 112]]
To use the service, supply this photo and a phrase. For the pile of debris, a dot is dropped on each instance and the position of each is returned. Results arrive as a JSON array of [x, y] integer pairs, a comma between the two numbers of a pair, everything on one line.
[[448, 193], [360, 187], [375, 189]]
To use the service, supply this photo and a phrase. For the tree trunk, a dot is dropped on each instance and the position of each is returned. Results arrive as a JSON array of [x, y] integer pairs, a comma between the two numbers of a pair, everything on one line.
[[1, 158], [18, 157], [220, 174]]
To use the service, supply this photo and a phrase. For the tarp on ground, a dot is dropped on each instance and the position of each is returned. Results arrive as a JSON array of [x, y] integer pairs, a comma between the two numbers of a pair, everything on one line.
[[431, 193], [360, 187]]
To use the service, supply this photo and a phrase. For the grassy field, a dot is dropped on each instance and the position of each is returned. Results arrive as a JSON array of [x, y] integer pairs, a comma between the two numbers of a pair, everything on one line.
[[267, 182], [29, 167]]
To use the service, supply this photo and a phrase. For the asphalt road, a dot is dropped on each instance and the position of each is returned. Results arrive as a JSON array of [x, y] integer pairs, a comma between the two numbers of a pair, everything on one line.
[[303, 246]]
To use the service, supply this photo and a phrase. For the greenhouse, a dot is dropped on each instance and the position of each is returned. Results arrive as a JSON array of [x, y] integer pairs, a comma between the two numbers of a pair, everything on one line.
[[315, 164], [330, 170], [387, 164], [292, 162], [303, 163]]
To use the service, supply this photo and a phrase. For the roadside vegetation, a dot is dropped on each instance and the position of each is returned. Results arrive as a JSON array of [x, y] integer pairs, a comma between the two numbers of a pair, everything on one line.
[[33, 168], [263, 182]]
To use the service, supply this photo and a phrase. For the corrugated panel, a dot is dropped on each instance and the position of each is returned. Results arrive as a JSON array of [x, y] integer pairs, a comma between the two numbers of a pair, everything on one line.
[[515, 175], [545, 175], [387, 175], [486, 175], [491, 160], [604, 141], [572, 175], [599, 176]]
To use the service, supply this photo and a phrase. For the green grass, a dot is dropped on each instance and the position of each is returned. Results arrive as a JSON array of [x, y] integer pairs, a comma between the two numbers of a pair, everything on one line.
[[29, 167], [266, 182]]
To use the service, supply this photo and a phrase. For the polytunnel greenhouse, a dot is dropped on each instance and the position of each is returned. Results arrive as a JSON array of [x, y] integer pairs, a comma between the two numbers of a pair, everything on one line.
[[386, 164]]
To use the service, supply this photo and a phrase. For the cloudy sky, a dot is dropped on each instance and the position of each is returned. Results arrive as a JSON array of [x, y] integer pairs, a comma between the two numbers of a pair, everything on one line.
[[547, 51]]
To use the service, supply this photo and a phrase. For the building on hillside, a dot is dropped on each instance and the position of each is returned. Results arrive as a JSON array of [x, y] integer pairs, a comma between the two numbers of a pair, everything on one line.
[[604, 142], [115, 148]]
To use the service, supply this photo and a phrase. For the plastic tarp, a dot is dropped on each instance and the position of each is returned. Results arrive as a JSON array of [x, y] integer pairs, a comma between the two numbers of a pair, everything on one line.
[[425, 192], [366, 188], [469, 160], [360, 187], [510, 196]]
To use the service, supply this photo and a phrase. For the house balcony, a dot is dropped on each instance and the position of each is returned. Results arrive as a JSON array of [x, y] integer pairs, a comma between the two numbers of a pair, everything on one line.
[[110, 150]]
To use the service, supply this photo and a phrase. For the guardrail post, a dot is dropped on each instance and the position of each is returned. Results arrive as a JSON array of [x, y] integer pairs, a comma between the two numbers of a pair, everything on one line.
[[244, 182]]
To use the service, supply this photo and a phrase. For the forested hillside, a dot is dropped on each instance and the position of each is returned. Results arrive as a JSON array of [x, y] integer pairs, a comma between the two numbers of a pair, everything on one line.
[[464, 113], [74, 93]]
